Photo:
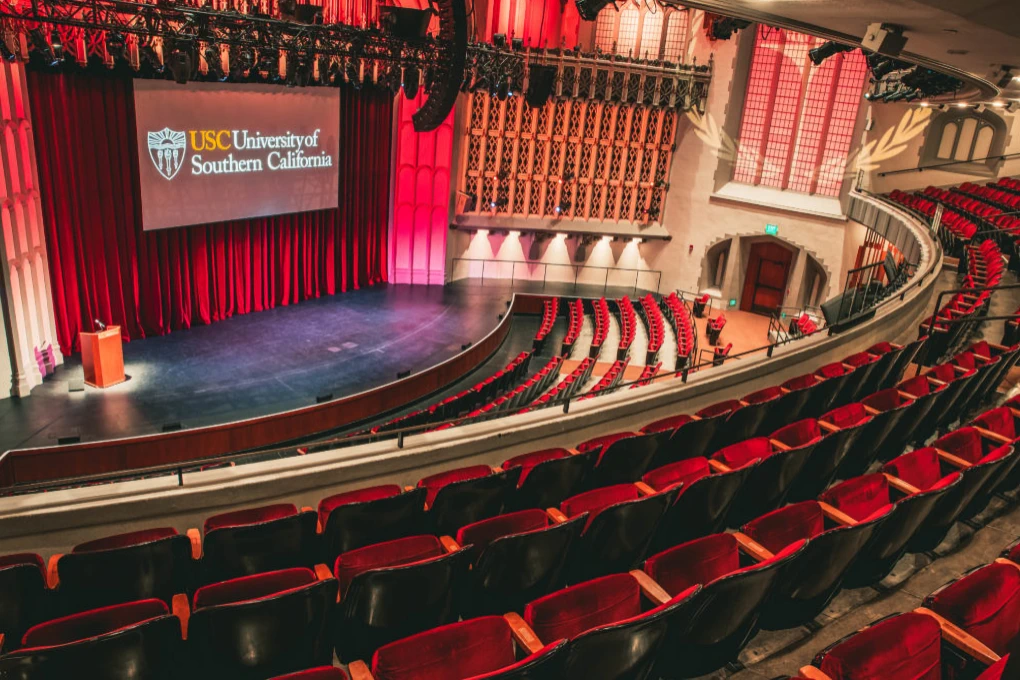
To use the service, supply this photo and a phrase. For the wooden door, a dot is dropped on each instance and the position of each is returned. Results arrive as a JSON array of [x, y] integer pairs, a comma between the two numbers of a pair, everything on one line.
[[768, 270]]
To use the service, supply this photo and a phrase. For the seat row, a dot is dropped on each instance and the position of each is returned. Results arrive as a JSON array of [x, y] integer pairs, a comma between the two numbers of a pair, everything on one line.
[[523, 394], [656, 327], [610, 379], [575, 322], [569, 386], [958, 230], [600, 314], [647, 373], [683, 327], [550, 310], [715, 327], [802, 325], [628, 326]]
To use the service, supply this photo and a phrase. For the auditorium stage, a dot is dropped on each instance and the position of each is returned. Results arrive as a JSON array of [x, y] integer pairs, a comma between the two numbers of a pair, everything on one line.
[[271, 361]]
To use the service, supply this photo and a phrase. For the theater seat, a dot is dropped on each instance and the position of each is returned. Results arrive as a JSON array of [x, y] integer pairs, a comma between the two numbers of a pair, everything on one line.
[[863, 365], [358, 518], [261, 625], [889, 409], [771, 479], [729, 603], [925, 395], [841, 429], [621, 459], [968, 445], [256, 540], [985, 602], [318, 673], [151, 563], [23, 597], [861, 497], [835, 376], [946, 409], [618, 531], [127, 641], [547, 477], [1012, 553], [465, 495], [690, 438], [474, 649], [518, 557], [812, 578], [612, 635], [395, 589]]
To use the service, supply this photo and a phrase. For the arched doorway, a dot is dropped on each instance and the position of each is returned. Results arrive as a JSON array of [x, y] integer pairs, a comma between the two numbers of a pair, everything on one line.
[[768, 272]]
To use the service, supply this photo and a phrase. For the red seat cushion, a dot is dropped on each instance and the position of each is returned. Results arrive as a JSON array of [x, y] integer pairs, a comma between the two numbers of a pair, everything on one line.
[[387, 554], [801, 433], [965, 443], [320, 673], [240, 518], [252, 587], [93, 622], [904, 647], [801, 382], [996, 671], [528, 461], [458, 650], [833, 370], [860, 359], [859, 497], [372, 493], [881, 348], [985, 603], [719, 409], [19, 559], [484, 532], [664, 424], [595, 501], [850, 415], [682, 472], [569, 612], [885, 400], [998, 420], [126, 540], [920, 467], [740, 454], [700, 561], [433, 483], [761, 396], [787, 525], [603, 442]]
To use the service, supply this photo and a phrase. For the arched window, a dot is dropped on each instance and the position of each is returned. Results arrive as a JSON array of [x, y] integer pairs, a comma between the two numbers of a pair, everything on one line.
[[967, 137], [626, 37], [651, 35], [675, 46], [605, 29], [644, 29]]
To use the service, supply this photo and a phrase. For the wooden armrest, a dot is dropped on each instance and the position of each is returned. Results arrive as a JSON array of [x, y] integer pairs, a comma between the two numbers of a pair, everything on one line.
[[906, 395], [848, 366], [358, 670], [900, 485], [935, 381], [573, 452], [52, 575], [837, 515], [779, 445], [644, 489], [784, 390], [1014, 412], [556, 516], [810, 673], [196, 544], [828, 427], [652, 590], [450, 545], [961, 639], [994, 436], [955, 461], [522, 633], [182, 610], [1001, 348], [307, 508], [959, 369], [871, 411], [496, 469], [717, 466], [322, 572], [408, 488], [752, 547], [1011, 563]]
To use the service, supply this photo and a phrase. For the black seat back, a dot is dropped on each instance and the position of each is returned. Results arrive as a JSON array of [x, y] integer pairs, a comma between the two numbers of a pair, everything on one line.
[[23, 601], [700, 508], [514, 570], [282, 543], [547, 666], [387, 604], [951, 505], [355, 525], [551, 482], [266, 637], [625, 460], [821, 467], [883, 368], [744, 423], [461, 503], [769, 484]]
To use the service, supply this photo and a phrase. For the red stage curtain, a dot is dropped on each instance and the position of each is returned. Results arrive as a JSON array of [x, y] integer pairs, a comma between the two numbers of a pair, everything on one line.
[[102, 265]]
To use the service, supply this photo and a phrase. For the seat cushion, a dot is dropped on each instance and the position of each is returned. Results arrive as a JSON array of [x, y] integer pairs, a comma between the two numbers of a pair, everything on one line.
[[998, 420], [597, 500], [682, 472], [761, 396], [801, 433], [252, 587], [569, 612], [603, 442], [722, 408], [433, 483], [249, 516], [885, 400], [93, 622], [920, 468], [20, 559], [740, 454], [387, 554], [780, 528], [528, 461], [905, 647], [985, 603], [833, 370], [801, 382], [917, 386], [965, 443], [859, 497], [126, 540], [458, 650], [850, 415], [482, 533], [700, 561], [860, 359], [372, 493], [664, 424]]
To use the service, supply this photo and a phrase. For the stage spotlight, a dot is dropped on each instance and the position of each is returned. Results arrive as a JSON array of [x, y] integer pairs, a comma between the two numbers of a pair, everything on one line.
[[335, 74], [351, 73], [517, 44], [214, 64], [589, 9], [412, 79], [149, 61], [182, 62], [499, 40], [564, 206], [116, 46], [826, 50], [723, 28], [503, 90], [50, 50], [243, 64], [5, 48]]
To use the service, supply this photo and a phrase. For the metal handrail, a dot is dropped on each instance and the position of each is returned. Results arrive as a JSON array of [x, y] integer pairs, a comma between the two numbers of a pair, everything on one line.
[[936, 166], [576, 267]]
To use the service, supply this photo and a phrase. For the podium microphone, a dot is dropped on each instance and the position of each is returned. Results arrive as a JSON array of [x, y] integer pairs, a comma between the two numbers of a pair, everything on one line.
[[100, 325]]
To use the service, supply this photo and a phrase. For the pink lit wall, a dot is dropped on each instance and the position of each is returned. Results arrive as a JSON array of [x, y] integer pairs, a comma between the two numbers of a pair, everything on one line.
[[539, 23], [421, 196]]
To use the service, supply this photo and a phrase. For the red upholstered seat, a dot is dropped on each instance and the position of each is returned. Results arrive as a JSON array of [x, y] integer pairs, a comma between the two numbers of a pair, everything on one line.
[[433, 483], [239, 518], [801, 382], [800, 433], [252, 587], [603, 442], [920, 468], [965, 443], [468, 649], [18, 559], [93, 622], [998, 420], [859, 497], [482, 533], [985, 603], [671, 423], [567, 613], [722, 408], [763, 395], [740, 454], [595, 501], [528, 461], [997, 671], [320, 673], [373, 493], [780, 528], [833, 370], [860, 359], [904, 647], [682, 472], [388, 554], [885, 400], [126, 540]]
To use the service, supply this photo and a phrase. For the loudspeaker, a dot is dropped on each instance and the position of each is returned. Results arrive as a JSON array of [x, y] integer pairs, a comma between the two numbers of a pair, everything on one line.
[[541, 79], [884, 39], [405, 23], [323, 398], [172, 427]]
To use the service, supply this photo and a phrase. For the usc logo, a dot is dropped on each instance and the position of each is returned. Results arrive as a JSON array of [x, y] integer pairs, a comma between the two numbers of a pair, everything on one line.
[[211, 140]]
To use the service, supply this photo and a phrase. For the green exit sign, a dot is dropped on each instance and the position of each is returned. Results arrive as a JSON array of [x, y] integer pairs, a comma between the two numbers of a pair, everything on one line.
[[771, 229], [733, 302]]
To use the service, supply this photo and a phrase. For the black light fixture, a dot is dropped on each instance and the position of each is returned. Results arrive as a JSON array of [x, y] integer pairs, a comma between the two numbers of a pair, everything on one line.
[[723, 28], [412, 79], [826, 50], [214, 63], [351, 73], [116, 46], [182, 61], [499, 40], [50, 49], [242, 64], [5, 50], [589, 9]]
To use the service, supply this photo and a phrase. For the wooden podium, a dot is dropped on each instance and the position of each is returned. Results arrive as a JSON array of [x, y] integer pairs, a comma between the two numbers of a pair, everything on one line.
[[102, 357]]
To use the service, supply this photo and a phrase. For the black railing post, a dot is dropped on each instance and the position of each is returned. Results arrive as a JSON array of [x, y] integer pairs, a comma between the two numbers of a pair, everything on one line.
[[180, 476], [400, 440]]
